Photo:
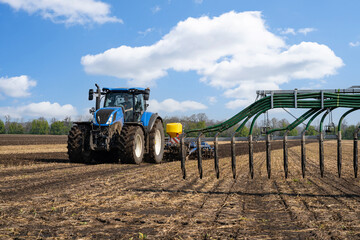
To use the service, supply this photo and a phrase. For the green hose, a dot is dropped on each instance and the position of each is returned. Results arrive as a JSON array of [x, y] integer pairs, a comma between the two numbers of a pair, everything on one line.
[[310, 101]]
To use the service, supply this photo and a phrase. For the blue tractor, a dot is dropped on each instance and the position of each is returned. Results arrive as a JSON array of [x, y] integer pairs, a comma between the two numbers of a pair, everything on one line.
[[122, 130]]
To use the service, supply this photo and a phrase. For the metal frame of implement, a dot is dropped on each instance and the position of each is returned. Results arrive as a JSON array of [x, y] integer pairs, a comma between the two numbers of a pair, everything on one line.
[[317, 101]]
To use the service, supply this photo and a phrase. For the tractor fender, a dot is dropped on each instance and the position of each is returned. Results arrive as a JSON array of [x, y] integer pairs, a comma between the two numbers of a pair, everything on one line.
[[137, 124], [152, 121]]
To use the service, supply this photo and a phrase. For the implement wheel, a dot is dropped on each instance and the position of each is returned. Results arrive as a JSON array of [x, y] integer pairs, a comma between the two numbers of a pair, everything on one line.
[[132, 144], [156, 143]]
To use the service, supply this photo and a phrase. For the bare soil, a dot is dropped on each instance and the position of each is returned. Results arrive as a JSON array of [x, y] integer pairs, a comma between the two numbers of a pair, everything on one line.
[[43, 196]]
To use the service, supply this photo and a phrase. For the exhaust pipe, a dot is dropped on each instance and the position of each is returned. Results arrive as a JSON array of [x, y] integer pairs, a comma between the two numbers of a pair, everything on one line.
[[98, 96]]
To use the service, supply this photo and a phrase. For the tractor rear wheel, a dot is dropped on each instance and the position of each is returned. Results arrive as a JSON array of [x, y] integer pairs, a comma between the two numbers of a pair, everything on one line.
[[156, 143], [132, 144], [75, 147]]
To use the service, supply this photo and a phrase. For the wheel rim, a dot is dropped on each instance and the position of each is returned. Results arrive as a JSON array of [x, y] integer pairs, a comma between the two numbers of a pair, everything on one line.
[[138, 146], [157, 142]]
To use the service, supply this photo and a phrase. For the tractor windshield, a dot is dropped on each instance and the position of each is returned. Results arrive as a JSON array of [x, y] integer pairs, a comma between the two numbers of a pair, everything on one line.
[[119, 99], [133, 104]]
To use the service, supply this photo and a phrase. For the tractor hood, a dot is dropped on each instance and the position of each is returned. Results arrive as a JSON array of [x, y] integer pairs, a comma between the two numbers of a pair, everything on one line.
[[108, 116]]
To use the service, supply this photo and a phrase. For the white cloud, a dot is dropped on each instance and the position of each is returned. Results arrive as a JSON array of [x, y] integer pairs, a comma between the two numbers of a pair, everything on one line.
[[170, 105], [212, 100], [16, 86], [292, 31], [155, 9], [146, 32], [234, 52], [198, 1], [288, 31], [41, 109], [305, 31], [354, 44], [67, 11]]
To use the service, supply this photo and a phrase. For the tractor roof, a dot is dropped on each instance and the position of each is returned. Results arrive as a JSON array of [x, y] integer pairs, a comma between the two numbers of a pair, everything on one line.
[[141, 90]]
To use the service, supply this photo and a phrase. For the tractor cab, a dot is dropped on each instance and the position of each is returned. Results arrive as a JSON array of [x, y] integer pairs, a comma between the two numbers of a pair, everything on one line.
[[132, 101]]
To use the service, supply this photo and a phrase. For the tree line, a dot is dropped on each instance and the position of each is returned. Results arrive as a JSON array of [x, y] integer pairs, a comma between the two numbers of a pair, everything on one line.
[[38, 126], [55, 127]]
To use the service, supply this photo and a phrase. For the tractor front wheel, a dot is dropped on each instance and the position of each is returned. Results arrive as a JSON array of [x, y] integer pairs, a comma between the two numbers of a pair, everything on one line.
[[132, 144]]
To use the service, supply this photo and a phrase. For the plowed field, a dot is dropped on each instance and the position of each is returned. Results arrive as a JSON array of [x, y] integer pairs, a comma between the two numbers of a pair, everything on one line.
[[42, 196]]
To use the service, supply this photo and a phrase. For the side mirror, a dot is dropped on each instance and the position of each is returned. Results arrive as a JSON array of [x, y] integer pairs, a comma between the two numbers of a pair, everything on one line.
[[91, 94], [92, 110], [147, 94]]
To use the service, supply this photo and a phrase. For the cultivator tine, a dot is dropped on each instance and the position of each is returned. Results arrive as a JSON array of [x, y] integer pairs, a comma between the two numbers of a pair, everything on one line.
[[233, 156], [339, 153], [303, 154], [268, 155], [216, 155], [321, 153], [356, 152], [285, 147], [183, 155], [199, 156], [251, 156]]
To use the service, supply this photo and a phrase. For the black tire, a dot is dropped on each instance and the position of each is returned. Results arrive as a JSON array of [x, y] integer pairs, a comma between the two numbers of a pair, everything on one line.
[[75, 147], [132, 144], [75, 144], [156, 148]]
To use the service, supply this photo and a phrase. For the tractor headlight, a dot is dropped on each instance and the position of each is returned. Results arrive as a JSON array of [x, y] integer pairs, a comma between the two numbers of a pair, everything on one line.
[[109, 121]]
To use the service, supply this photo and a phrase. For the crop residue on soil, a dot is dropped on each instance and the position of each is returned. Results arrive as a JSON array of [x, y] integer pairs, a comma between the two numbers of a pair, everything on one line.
[[44, 196]]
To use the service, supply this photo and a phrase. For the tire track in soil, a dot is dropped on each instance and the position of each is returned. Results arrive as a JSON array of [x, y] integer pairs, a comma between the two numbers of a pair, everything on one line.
[[186, 222], [288, 216], [45, 174], [258, 216], [287, 200], [259, 203], [292, 218], [221, 220], [171, 195], [113, 193], [243, 199], [269, 220], [214, 224], [328, 182], [48, 185], [335, 215], [345, 213], [137, 184], [207, 196], [9, 182], [37, 169], [242, 202]]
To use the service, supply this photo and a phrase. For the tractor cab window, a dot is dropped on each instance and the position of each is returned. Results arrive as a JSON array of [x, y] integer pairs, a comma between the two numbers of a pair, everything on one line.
[[139, 103], [133, 104], [119, 100]]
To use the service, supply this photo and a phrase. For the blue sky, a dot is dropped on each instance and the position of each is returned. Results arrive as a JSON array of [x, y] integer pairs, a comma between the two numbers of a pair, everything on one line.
[[196, 56]]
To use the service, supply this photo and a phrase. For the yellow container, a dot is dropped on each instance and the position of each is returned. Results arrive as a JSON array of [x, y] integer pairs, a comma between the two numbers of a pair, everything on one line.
[[173, 129]]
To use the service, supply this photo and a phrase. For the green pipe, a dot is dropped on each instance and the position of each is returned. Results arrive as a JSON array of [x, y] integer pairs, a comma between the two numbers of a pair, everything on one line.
[[308, 100], [294, 124], [253, 122], [312, 119], [242, 124], [343, 116]]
